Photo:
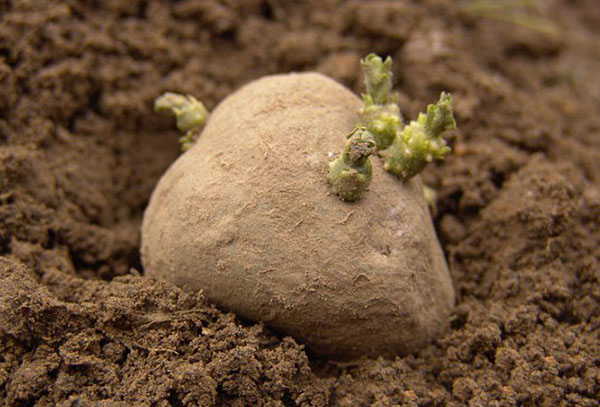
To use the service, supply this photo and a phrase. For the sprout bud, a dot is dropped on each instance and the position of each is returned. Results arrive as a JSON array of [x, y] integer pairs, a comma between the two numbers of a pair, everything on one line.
[[190, 115], [350, 174]]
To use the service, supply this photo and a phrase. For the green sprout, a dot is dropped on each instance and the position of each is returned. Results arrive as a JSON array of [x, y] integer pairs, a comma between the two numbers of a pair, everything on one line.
[[378, 80], [431, 198], [380, 114], [420, 142], [404, 149], [350, 174], [190, 115]]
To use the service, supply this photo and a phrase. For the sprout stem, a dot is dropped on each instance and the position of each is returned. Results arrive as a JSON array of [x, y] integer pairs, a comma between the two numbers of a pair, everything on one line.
[[420, 142], [380, 114]]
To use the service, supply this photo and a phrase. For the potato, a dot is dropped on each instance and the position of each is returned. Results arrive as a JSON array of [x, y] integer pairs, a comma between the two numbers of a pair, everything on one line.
[[248, 217]]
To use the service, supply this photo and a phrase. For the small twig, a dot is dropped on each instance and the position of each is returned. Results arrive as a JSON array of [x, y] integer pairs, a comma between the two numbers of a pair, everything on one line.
[[301, 221], [156, 349], [343, 221], [175, 316]]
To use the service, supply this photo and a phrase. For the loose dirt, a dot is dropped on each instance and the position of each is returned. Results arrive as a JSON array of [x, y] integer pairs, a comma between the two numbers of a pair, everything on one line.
[[518, 208]]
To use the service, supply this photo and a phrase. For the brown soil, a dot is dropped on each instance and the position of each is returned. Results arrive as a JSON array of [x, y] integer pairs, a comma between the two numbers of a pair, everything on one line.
[[80, 151]]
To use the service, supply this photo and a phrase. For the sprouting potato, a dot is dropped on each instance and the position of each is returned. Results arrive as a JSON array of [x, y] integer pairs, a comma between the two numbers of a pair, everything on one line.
[[251, 215]]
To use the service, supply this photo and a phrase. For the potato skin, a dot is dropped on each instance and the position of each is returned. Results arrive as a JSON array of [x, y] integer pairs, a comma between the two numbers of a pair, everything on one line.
[[248, 217]]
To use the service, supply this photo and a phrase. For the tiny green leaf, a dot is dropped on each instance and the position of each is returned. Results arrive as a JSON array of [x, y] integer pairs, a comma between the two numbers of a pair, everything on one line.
[[378, 79], [380, 114], [439, 117]]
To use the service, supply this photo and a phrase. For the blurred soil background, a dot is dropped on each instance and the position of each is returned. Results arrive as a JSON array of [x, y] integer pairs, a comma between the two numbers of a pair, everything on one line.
[[80, 151]]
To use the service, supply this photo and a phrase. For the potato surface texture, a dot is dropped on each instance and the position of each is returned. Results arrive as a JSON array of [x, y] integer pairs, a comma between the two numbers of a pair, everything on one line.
[[248, 217]]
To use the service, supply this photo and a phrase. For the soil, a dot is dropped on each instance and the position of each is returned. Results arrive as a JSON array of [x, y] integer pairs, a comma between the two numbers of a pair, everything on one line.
[[518, 209]]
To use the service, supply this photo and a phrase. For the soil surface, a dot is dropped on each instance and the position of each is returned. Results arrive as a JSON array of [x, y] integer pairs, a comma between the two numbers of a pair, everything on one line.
[[518, 209]]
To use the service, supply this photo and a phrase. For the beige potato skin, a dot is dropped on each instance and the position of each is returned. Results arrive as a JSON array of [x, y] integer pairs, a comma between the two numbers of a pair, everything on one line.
[[248, 217]]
